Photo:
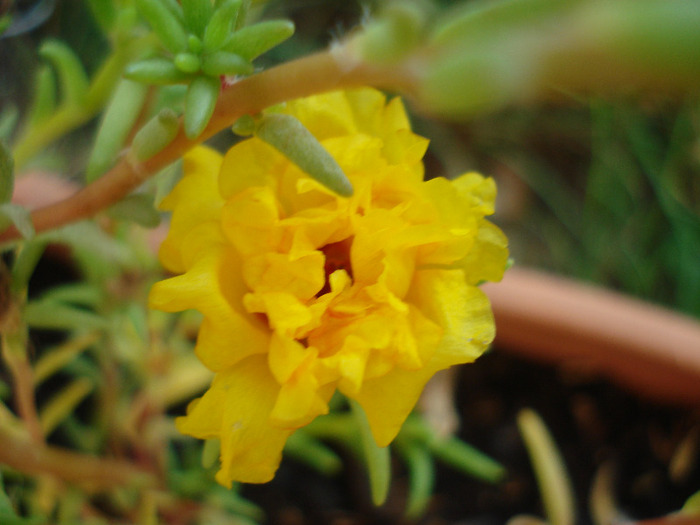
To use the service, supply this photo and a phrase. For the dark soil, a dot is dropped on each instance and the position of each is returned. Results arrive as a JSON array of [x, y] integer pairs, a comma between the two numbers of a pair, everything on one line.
[[593, 422]]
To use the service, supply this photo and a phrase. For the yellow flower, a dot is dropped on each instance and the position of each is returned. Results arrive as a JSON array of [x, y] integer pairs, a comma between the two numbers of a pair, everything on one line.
[[305, 292]]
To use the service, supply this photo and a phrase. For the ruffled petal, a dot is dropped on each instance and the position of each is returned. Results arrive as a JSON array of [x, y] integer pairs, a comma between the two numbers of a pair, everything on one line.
[[236, 410]]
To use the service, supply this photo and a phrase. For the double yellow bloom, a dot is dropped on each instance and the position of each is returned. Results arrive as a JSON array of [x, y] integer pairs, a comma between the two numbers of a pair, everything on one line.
[[305, 292]]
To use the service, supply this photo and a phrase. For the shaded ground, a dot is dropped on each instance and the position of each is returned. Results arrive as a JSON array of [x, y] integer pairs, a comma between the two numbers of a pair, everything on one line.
[[593, 423]]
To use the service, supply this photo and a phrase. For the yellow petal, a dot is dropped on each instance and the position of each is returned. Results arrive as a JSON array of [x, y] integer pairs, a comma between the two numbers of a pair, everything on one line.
[[194, 200], [214, 287], [388, 400], [461, 310], [236, 410], [250, 163]]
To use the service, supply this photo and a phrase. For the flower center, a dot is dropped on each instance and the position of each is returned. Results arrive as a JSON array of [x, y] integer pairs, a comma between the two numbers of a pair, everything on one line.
[[337, 258]]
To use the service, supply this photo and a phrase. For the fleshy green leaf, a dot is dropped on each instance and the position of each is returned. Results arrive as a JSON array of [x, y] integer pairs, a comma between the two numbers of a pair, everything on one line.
[[200, 101], [221, 24], [165, 24], [7, 173], [197, 14], [377, 458], [252, 41], [225, 63], [8, 121], [159, 71], [118, 120], [44, 99], [73, 79], [289, 136], [155, 135], [105, 13], [421, 476], [21, 218], [187, 62]]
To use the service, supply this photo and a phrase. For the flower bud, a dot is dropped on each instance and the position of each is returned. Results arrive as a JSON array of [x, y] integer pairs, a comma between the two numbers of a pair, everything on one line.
[[289, 136]]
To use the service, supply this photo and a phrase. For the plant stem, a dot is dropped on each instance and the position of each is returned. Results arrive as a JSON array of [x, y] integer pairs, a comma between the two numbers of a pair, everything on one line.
[[93, 472], [317, 73], [14, 355]]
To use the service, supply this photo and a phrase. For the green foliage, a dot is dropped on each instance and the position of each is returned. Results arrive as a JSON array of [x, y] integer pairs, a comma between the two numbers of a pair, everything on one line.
[[205, 43], [117, 122], [155, 135], [7, 173], [200, 101]]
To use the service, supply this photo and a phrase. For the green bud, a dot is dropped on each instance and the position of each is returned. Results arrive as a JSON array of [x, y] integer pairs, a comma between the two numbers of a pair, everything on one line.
[[194, 44], [463, 83], [486, 17], [224, 63], [394, 34], [221, 24], [72, 76], [159, 71], [117, 122], [200, 101], [244, 126], [155, 135], [289, 136], [252, 41], [165, 24], [7, 174], [187, 62], [197, 14]]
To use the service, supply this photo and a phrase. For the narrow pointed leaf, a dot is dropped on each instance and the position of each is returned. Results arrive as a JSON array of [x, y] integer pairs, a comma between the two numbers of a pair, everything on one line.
[[200, 101], [54, 315], [165, 24], [73, 79], [252, 41], [117, 122], [289, 136], [62, 403]]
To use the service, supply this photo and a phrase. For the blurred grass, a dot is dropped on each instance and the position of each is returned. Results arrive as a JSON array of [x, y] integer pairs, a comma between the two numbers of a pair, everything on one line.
[[603, 191]]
